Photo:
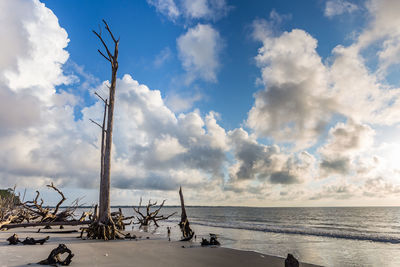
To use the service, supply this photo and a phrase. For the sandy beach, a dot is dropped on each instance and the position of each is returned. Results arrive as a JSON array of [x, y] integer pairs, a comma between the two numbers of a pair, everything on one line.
[[154, 251]]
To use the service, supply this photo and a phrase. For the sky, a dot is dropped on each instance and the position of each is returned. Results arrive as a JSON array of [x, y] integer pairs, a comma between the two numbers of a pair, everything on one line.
[[242, 103]]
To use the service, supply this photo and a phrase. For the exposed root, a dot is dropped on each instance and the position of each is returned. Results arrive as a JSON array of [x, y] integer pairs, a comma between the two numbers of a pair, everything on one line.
[[98, 230]]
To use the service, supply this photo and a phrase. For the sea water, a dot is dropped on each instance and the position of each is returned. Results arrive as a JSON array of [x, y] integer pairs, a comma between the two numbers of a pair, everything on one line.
[[336, 236]]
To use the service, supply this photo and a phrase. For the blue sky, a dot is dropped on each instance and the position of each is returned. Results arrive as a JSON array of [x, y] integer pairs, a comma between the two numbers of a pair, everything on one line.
[[146, 34], [260, 103]]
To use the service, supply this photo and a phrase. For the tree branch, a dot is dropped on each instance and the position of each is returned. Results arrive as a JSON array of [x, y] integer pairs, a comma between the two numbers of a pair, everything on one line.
[[104, 44], [101, 53], [109, 31], [104, 100], [96, 123]]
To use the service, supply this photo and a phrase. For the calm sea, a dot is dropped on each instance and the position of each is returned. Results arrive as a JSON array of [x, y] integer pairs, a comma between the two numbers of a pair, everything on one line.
[[351, 236]]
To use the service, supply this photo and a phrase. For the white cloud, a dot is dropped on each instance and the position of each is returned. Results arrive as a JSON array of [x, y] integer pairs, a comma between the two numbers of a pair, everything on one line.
[[383, 31], [177, 102], [208, 9], [191, 9], [338, 7], [199, 50], [166, 7], [345, 143], [294, 107], [162, 57]]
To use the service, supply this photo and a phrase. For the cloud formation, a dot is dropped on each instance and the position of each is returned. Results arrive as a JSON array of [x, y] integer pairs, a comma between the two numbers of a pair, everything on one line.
[[338, 7], [294, 107], [191, 9], [159, 145], [199, 50]]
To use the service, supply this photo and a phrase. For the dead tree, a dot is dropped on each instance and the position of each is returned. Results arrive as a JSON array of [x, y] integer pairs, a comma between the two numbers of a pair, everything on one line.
[[187, 233], [104, 227], [119, 219], [39, 214], [34, 213], [150, 216]]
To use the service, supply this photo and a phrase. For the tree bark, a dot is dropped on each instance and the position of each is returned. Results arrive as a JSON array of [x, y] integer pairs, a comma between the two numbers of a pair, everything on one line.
[[187, 233], [104, 207]]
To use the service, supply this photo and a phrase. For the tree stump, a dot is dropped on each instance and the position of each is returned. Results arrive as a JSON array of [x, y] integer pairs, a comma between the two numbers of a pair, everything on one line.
[[291, 261], [54, 257], [13, 240]]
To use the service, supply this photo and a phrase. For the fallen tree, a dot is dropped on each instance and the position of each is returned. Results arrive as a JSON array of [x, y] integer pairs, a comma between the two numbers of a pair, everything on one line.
[[150, 216], [33, 213], [36, 211]]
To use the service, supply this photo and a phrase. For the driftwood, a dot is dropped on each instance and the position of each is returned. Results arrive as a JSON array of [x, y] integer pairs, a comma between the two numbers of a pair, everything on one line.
[[14, 240], [34, 213], [213, 241], [187, 233], [150, 216], [119, 219], [10, 211], [54, 257], [33, 241]]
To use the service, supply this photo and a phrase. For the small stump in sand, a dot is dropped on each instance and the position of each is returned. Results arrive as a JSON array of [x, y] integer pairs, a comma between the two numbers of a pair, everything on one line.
[[213, 241], [54, 257], [291, 261], [13, 240]]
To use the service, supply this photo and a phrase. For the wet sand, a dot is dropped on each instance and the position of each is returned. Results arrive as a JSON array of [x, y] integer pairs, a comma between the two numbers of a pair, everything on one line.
[[155, 251]]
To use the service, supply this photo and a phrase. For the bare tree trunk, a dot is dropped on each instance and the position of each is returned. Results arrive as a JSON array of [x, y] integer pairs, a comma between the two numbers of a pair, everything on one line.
[[104, 207], [104, 227]]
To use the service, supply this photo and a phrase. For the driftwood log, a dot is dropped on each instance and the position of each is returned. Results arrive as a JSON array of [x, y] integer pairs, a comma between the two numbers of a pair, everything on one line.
[[187, 233], [150, 216], [54, 257], [14, 240]]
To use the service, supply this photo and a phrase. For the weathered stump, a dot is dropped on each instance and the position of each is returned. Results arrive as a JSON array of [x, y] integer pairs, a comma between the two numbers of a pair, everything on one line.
[[13, 240], [54, 257], [291, 261]]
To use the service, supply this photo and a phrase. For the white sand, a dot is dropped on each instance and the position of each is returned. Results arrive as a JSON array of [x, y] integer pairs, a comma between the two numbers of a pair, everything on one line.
[[151, 252]]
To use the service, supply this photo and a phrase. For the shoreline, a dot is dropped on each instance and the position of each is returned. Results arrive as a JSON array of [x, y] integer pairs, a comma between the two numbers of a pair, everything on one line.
[[154, 251]]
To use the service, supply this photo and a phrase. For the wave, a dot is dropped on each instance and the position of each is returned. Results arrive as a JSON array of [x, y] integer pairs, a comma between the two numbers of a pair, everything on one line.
[[303, 231]]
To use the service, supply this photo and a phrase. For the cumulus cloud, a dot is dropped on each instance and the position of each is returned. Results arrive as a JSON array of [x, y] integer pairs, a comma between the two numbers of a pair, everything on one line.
[[266, 164], [302, 93], [208, 9], [338, 7], [384, 32], [178, 102], [199, 50], [192, 9], [345, 142], [294, 106], [166, 7]]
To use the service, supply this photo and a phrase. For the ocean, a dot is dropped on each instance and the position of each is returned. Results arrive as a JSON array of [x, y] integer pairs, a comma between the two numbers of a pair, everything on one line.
[[335, 236]]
